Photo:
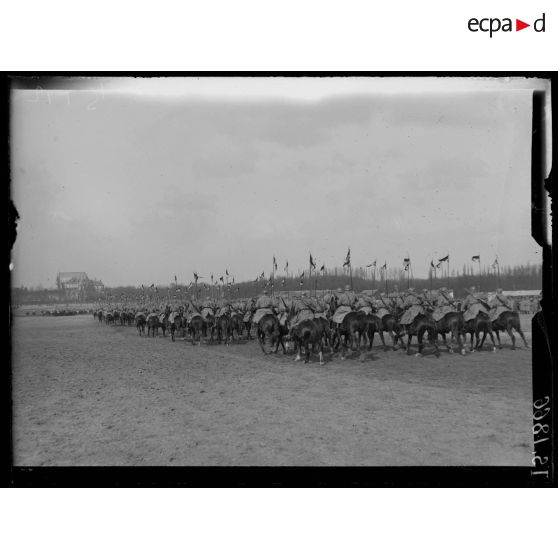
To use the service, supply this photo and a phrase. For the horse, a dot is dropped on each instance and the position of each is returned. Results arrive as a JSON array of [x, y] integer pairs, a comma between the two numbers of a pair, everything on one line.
[[224, 328], [116, 316], [153, 324], [100, 316], [270, 328], [374, 325], [140, 322], [175, 324], [247, 319], [481, 323], [419, 326], [350, 329], [197, 328], [454, 324], [309, 334], [164, 322], [109, 318], [508, 321], [325, 329], [236, 325]]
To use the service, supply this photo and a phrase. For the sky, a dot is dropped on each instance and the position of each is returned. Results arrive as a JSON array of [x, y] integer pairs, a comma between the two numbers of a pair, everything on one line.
[[135, 181]]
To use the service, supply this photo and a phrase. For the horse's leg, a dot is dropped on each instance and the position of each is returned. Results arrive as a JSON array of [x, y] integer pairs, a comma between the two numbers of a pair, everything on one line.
[[261, 338], [512, 336], [321, 353], [498, 337], [435, 340], [522, 336], [409, 337], [448, 345], [460, 342], [307, 348]]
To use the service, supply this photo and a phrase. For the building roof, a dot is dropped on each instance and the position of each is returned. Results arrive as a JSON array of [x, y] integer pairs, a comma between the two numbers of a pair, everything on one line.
[[72, 276]]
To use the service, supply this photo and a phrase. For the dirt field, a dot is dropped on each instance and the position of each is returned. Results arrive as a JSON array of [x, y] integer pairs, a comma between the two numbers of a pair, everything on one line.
[[90, 394]]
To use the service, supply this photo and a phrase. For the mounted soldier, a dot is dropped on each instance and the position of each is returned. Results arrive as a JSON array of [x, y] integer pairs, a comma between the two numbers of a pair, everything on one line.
[[345, 304], [473, 304], [444, 304], [263, 306], [413, 306], [498, 305]]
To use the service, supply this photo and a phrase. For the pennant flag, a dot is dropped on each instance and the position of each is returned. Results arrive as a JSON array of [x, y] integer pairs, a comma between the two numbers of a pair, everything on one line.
[[322, 268], [347, 258], [283, 282], [446, 259], [221, 279], [233, 281], [175, 279], [196, 277], [476, 258], [274, 264], [302, 278], [287, 267], [262, 276], [384, 266], [406, 263], [152, 286], [227, 272], [373, 264], [256, 279], [432, 264], [142, 288], [495, 264], [312, 264]]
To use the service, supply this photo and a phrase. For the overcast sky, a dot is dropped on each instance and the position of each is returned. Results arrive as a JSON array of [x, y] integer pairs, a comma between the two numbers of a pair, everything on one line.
[[147, 179]]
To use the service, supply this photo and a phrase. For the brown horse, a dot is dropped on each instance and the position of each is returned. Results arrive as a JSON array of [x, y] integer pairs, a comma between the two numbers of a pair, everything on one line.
[[308, 334], [508, 321], [197, 328], [481, 323], [270, 328]]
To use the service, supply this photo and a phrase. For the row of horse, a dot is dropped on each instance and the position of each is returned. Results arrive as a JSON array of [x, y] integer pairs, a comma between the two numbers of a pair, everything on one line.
[[356, 332]]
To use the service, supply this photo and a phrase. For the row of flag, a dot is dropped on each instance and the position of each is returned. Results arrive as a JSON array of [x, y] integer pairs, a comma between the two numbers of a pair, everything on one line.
[[313, 266]]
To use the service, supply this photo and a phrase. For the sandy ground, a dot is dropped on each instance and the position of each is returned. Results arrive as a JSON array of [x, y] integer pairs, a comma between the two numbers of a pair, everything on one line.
[[89, 394]]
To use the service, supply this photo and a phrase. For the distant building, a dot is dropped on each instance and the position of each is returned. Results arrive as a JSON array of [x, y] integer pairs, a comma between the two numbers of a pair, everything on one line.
[[76, 286]]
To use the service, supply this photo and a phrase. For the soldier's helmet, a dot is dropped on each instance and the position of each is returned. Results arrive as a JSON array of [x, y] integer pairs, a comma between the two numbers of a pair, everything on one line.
[[499, 290], [207, 298], [347, 287], [473, 288], [443, 289], [411, 289], [339, 290], [265, 291]]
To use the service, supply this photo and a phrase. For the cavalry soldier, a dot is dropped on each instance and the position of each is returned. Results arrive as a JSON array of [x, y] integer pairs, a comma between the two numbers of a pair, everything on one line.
[[382, 306], [223, 308], [498, 305], [207, 308], [264, 305], [282, 310], [345, 304], [413, 307], [320, 307], [473, 304], [364, 303], [302, 310], [444, 305]]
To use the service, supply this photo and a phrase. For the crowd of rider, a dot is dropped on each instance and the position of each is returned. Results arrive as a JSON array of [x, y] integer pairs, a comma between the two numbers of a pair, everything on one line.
[[335, 305]]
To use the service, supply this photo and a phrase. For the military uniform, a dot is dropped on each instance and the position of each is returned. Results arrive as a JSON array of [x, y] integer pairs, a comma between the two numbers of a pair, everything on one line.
[[364, 304], [381, 306], [413, 308], [345, 302], [302, 309], [472, 306], [498, 305], [263, 306], [443, 306]]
